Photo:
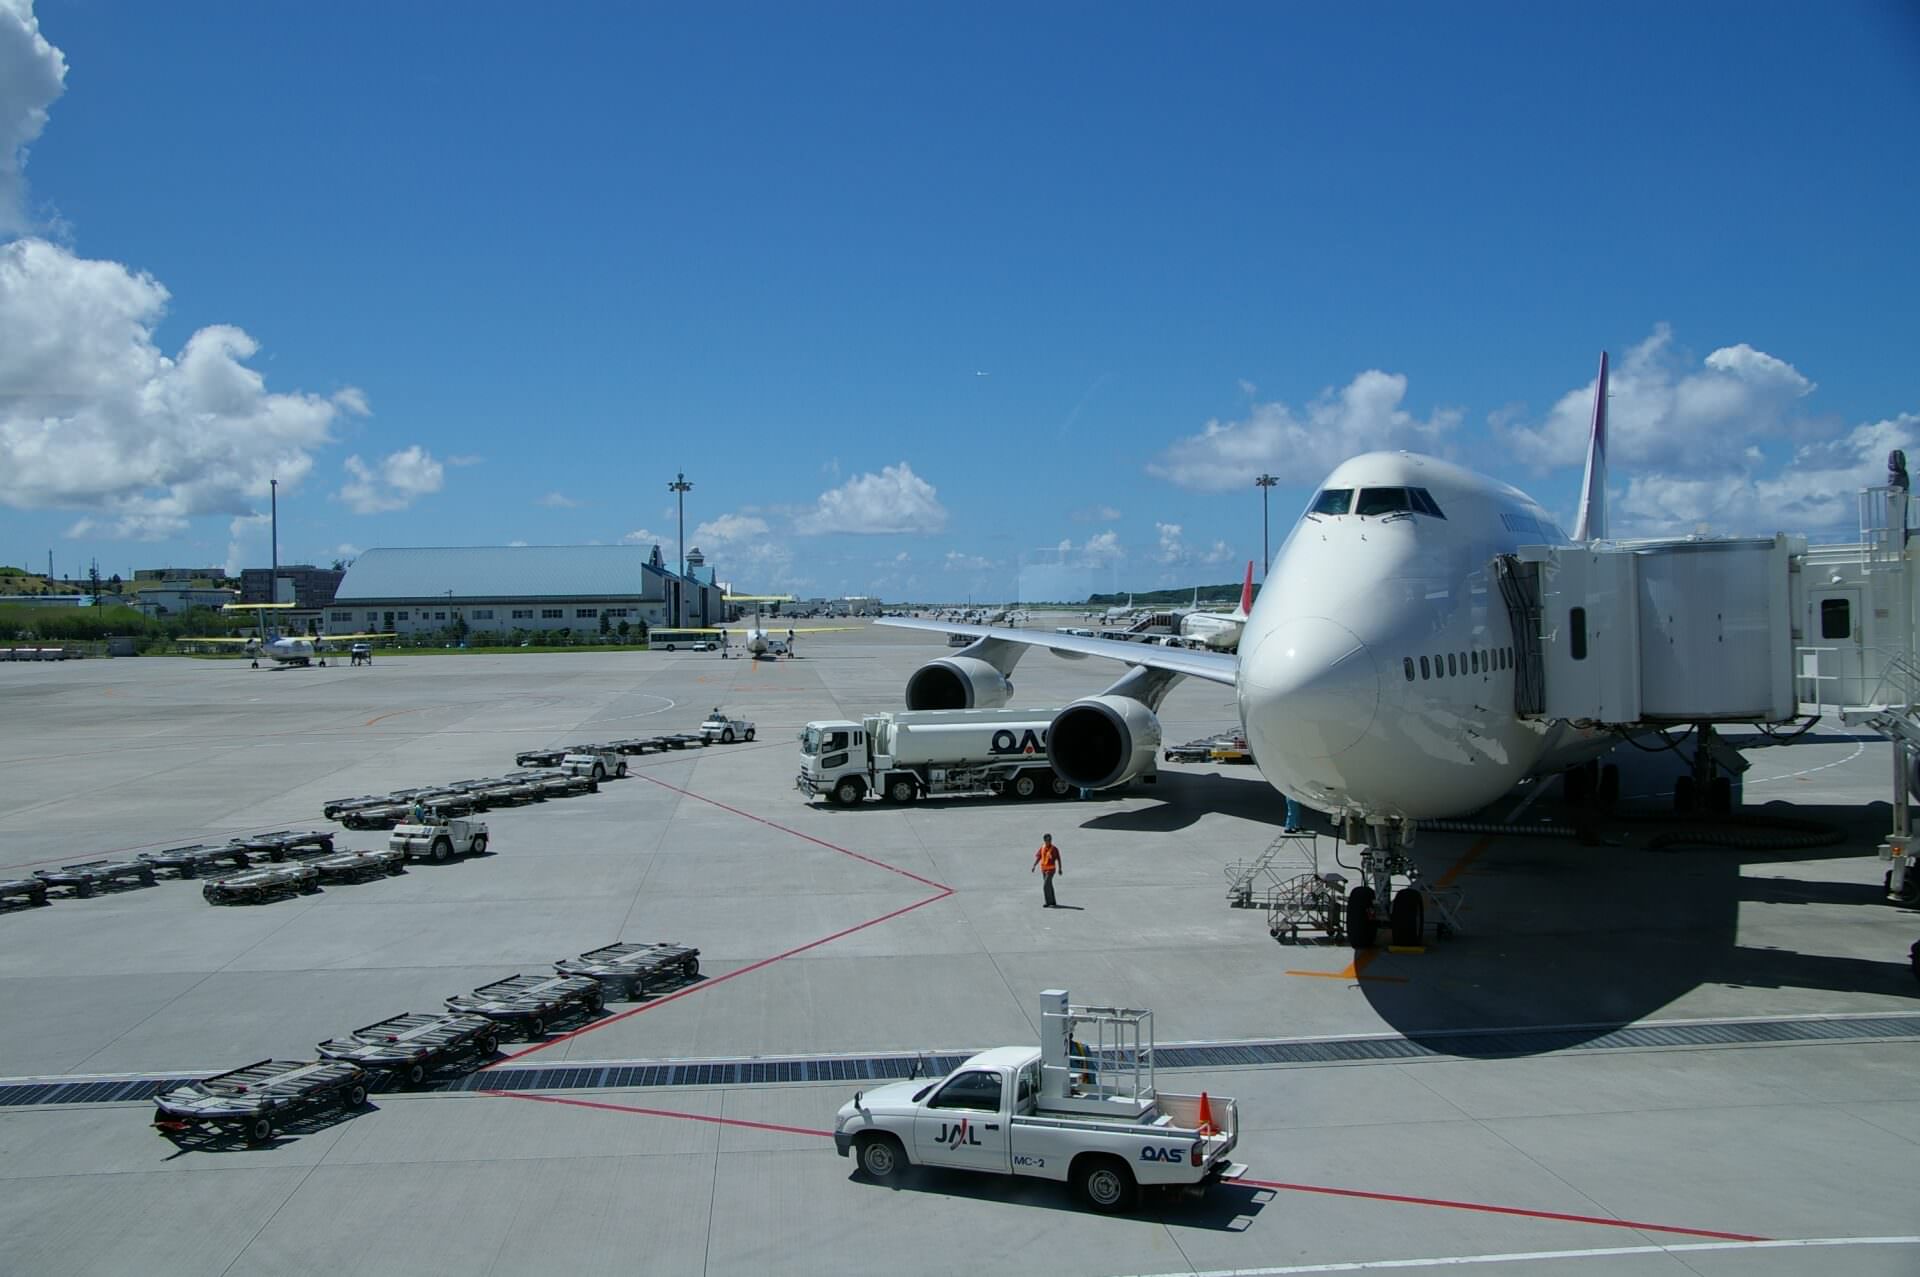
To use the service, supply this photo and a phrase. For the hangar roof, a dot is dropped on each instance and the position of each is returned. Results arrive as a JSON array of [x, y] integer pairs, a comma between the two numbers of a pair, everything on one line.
[[501, 572]]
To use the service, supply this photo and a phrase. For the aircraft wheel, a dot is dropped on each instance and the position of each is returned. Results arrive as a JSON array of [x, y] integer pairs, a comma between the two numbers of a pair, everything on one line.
[[323, 663], [1914, 955], [256, 665], [1362, 930], [1409, 916]]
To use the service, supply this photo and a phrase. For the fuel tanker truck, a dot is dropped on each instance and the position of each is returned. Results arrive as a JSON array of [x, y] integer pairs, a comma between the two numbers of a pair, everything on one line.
[[902, 756]]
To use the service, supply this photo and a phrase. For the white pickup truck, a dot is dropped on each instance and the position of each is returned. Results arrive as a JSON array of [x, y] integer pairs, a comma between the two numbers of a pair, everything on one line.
[[1070, 1112]]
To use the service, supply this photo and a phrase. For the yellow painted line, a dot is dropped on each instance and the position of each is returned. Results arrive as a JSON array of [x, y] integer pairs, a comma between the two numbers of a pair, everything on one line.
[[1353, 971], [1465, 862]]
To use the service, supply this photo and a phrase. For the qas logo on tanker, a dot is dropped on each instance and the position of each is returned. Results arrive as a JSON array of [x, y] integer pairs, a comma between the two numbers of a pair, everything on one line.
[[1005, 741]]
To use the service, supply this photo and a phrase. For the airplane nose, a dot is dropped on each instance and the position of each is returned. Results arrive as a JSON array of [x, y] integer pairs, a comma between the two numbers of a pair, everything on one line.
[[1315, 680]]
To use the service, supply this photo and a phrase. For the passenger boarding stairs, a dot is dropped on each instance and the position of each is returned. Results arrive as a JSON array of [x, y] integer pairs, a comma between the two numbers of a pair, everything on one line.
[[1285, 881]]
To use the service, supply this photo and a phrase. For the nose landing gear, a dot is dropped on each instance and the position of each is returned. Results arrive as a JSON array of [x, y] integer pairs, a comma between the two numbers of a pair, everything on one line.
[[1376, 903]]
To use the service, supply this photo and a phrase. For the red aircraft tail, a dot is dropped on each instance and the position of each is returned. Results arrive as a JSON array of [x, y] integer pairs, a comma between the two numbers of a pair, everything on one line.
[[1246, 593]]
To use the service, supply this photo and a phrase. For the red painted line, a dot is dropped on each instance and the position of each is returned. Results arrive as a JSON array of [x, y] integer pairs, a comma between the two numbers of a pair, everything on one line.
[[692, 989], [818, 842], [1501, 1210], [647, 1112]]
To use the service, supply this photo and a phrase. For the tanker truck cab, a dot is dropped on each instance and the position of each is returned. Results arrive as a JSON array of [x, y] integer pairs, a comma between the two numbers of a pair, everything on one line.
[[1080, 1110], [833, 760]]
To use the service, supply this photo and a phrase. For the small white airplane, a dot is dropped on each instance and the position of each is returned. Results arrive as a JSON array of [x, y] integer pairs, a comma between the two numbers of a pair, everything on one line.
[[284, 649], [759, 642], [1220, 631], [1375, 678]]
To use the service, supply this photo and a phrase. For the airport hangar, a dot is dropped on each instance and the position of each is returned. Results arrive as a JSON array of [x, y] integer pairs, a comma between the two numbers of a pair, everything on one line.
[[500, 589]]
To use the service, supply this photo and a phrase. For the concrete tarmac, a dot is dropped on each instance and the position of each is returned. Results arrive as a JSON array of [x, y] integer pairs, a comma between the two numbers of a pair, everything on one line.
[[828, 932]]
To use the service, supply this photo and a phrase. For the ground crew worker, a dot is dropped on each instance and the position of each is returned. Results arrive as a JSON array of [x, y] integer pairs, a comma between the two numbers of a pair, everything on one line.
[[1047, 861]]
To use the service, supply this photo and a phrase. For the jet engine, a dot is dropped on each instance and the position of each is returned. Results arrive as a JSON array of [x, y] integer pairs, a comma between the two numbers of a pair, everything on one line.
[[1103, 741], [958, 682]]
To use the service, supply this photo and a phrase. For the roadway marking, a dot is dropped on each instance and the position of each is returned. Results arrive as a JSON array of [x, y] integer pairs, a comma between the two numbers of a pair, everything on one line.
[[941, 892], [1723, 1239], [1521, 1257], [393, 714]]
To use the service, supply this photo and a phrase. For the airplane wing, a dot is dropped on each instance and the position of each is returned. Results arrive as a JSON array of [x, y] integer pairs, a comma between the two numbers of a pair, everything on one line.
[[189, 638], [255, 607], [347, 638], [1210, 667]]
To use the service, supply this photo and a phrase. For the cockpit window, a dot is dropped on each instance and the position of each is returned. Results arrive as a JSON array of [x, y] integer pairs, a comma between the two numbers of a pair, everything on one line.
[[1424, 503], [1332, 501], [1383, 501]]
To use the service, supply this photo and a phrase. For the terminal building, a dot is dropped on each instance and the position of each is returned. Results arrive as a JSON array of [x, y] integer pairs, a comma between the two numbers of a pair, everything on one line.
[[496, 590], [302, 584]]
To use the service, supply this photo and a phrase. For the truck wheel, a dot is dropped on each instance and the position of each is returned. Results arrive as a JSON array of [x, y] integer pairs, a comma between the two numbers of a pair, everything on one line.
[[726, 736], [1106, 1184], [1060, 788], [749, 733], [599, 773], [536, 1028], [881, 1157], [1025, 785], [900, 789], [441, 850], [620, 769], [416, 1073], [478, 847], [1362, 930], [690, 969], [356, 1095], [848, 792], [260, 1130], [486, 1046]]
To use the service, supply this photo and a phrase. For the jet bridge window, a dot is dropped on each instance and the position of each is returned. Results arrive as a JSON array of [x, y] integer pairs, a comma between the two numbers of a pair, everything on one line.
[[1332, 501], [1836, 618], [975, 1089]]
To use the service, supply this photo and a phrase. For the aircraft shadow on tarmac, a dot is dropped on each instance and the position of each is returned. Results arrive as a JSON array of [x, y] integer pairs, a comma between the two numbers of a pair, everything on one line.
[[1226, 1207], [1187, 796], [1557, 933]]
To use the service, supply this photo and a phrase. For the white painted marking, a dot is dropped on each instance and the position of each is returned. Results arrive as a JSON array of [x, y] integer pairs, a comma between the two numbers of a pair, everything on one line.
[[1520, 1257], [1859, 748]]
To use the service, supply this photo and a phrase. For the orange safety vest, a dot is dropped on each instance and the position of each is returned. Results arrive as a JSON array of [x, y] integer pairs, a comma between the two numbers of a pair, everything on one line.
[[1048, 858]]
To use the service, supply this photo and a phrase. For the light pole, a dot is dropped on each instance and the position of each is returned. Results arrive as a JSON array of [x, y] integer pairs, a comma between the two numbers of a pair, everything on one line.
[[680, 487], [273, 574], [1265, 482]]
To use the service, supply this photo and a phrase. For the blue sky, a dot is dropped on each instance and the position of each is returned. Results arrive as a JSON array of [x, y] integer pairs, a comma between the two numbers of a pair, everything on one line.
[[925, 298]]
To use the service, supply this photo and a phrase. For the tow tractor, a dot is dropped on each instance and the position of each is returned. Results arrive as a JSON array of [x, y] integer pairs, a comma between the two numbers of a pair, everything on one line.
[[532, 1002], [629, 968], [719, 727], [439, 840], [412, 1046], [1082, 1109], [257, 1099], [595, 762]]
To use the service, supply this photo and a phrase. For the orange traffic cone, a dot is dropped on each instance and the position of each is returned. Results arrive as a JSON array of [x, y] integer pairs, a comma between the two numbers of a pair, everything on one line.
[[1206, 1115]]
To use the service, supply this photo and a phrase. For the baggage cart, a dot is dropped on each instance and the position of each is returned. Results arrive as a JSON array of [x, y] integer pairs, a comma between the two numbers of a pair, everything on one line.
[[413, 1046], [334, 808], [31, 890], [629, 970], [283, 844], [187, 862], [259, 1099], [262, 883], [546, 757], [359, 866], [89, 876], [531, 1003]]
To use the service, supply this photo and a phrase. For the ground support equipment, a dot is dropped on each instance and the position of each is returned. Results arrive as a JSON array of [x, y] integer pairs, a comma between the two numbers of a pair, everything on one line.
[[87, 877], [263, 883], [258, 1099], [635, 745], [682, 740], [411, 1047], [187, 862], [530, 1003], [1316, 902], [630, 969], [546, 757], [334, 808], [359, 866], [384, 816], [31, 890], [285, 844]]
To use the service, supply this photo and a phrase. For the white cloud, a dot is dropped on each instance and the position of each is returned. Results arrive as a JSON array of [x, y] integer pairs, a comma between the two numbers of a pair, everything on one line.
[[96, 418], [32, 74], [1667, 413], [397, 482], [347, 550], [895, 500], [249, 542], [1218, 553], [1302, 445], [516, 543], [1171, 550], [557, 500], [959, 562], [1103, 550]]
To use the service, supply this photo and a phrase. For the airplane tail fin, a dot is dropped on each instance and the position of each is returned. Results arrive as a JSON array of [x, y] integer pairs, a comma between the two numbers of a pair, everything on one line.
[[1592, 522], [1246, 594]]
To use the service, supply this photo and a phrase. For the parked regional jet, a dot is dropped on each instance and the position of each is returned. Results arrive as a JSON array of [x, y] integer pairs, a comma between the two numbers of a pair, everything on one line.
[[1375, 676], [1220, 631]]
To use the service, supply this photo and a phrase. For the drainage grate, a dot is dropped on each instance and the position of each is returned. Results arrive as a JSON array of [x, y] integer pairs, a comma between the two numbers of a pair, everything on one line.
[[1468, 1043]]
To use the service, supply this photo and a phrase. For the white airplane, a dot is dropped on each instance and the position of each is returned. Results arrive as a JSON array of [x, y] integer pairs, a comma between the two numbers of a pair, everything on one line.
[[1114, 614], [283, 649], [1220, 631], [761, 644], [1375, 677]]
